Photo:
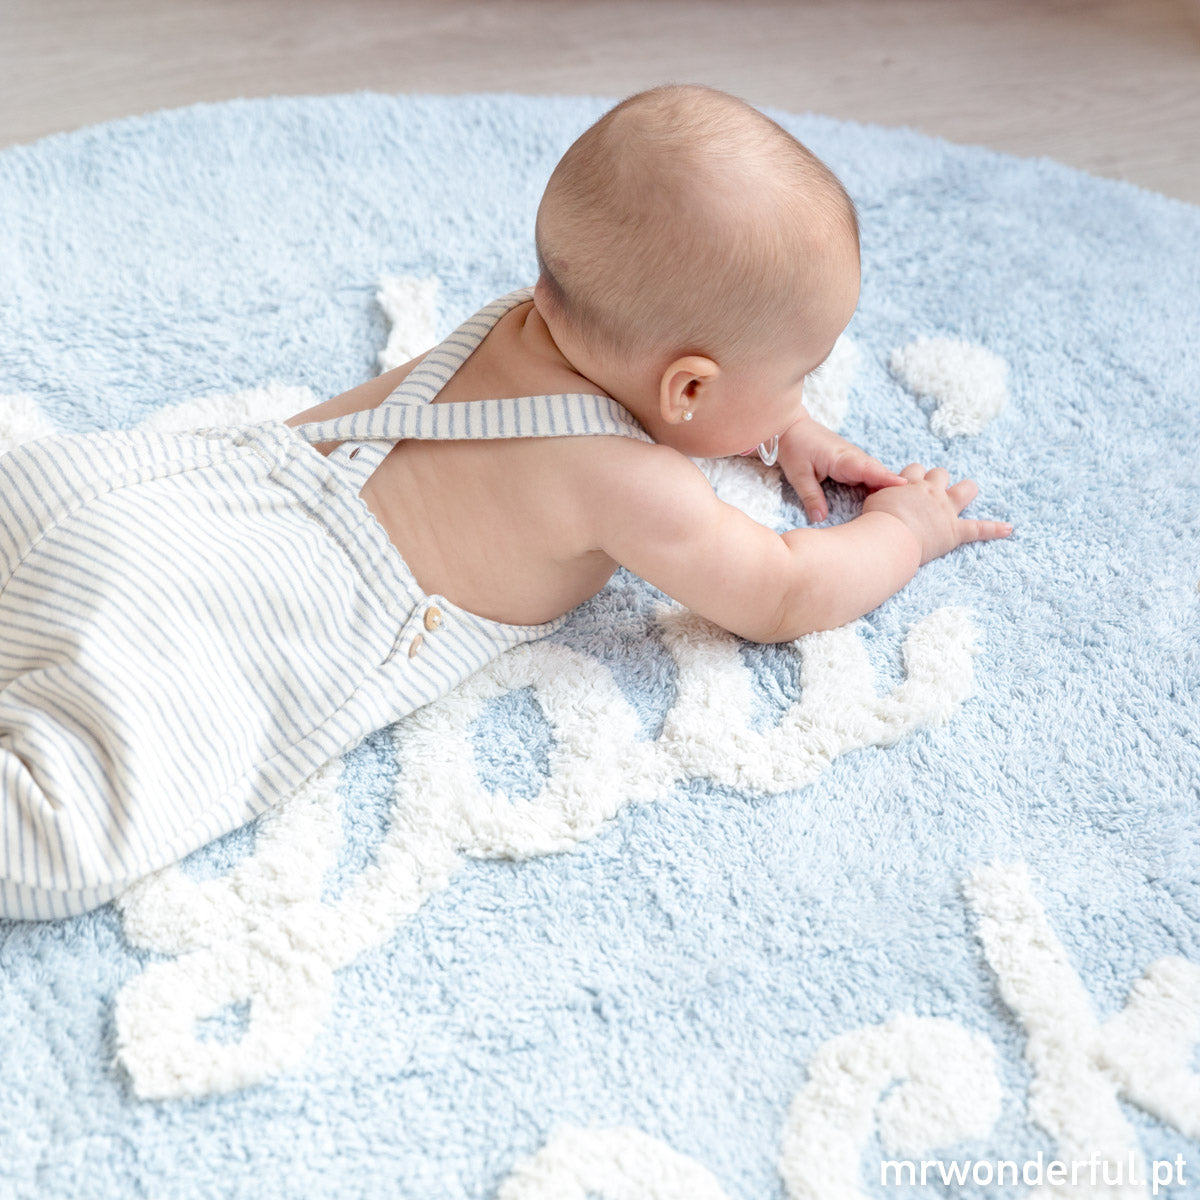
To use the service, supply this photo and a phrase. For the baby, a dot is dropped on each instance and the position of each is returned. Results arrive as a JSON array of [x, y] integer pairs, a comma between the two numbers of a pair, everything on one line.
[[697, 263], [196, 622]]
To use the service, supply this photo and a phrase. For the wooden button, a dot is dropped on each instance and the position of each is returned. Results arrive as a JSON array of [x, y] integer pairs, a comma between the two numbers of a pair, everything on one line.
[[433, 618], [415, 645]]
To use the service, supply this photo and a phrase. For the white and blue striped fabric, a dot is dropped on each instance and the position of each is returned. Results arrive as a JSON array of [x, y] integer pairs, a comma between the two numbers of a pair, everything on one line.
[[193, 623]]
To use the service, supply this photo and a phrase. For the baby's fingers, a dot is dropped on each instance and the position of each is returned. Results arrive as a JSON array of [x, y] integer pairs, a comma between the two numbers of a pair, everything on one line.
[[962, 493], [811, 494], [855, 467], [982, 531]]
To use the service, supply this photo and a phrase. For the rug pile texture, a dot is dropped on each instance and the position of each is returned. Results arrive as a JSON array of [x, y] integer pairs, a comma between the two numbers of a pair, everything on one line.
[[644, 911]]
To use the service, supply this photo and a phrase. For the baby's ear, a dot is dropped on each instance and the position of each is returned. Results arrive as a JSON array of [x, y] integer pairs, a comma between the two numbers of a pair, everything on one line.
[[682, 386]]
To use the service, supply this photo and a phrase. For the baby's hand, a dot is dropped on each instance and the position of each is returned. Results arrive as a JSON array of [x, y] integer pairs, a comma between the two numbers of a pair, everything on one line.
[[929, 506], [809, 453]]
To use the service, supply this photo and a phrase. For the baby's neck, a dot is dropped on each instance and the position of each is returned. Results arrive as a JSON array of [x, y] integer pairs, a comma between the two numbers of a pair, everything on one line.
[[536, 340], [520, 358], [540, 340]]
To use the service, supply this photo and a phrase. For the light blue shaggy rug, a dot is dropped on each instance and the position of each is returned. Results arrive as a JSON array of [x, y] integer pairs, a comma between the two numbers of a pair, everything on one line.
[[645, 912]]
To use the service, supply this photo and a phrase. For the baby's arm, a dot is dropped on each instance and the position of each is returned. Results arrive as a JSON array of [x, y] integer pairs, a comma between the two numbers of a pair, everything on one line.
[[660, 519]]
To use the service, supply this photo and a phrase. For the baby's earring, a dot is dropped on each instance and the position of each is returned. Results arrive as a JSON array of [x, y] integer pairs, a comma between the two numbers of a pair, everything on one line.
[[687, 416]]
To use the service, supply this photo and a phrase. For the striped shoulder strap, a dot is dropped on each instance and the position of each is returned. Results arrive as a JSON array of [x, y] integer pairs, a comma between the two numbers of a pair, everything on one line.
[[409, 412]]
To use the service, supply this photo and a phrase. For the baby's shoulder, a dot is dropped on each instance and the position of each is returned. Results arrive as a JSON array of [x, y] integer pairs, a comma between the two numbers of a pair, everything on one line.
[[630, 475]]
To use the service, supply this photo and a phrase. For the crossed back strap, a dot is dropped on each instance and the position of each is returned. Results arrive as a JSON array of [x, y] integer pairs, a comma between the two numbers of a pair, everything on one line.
[[409, 411]]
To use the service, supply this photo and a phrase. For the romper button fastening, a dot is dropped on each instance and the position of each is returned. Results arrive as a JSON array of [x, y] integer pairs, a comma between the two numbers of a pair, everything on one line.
[[415, 645], [433, 618]]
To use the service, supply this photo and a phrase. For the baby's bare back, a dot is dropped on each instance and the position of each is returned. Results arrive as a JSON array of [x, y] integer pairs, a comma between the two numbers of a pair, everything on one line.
[[500, 528], [490, 525]]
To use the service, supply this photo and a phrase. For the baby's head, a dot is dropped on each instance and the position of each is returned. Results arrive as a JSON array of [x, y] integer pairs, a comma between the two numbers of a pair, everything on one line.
[[695, 258]]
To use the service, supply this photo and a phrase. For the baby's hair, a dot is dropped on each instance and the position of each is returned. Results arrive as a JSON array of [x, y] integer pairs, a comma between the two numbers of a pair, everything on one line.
[[686, 221]]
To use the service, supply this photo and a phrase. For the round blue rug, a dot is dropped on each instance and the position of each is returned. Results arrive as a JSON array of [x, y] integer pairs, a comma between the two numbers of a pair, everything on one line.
[[910, 908]]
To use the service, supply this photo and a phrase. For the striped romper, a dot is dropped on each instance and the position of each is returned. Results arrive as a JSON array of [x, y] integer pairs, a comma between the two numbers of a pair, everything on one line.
[[192, 624]]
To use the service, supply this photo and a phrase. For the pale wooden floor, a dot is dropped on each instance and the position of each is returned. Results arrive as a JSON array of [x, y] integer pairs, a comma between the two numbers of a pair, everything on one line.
[[1112, 86]]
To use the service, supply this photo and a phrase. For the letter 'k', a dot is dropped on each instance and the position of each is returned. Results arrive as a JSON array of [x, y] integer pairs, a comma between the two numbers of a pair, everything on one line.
[[1080, 1065]]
